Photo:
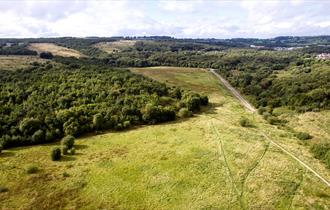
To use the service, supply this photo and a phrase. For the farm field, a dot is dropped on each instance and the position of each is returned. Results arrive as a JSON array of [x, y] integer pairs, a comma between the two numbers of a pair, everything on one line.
[[205, 162], [55, 49], [112, 47]]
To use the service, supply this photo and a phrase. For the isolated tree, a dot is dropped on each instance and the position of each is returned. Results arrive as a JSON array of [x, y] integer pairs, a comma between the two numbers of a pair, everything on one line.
[[55, 154]]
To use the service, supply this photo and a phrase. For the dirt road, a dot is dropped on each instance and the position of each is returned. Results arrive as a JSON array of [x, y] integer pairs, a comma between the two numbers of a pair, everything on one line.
[[244, 102], [250, 108]]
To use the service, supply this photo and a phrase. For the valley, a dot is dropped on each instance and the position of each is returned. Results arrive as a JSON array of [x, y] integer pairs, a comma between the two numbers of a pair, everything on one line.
[[227, 155]]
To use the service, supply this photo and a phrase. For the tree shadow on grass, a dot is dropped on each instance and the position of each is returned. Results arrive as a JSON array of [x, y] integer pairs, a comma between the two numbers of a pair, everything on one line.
[[67, 158], [7, 154], [80, 147]]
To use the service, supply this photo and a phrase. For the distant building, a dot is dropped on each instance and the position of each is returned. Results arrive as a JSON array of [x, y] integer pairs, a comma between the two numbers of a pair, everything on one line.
[[9, 44], [323, 56], [257, 46], [286, 48]]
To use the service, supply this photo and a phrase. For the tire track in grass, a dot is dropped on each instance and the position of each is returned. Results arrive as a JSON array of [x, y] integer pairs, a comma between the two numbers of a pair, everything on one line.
[[222, 151], [249, 171], [297, 188], [249, 107]]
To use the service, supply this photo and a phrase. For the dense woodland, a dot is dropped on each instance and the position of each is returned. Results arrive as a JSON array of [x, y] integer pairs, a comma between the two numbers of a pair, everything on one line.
[[48, 101]]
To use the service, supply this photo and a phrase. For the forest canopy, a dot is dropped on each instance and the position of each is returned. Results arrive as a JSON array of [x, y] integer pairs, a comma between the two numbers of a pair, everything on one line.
[[47, 101]]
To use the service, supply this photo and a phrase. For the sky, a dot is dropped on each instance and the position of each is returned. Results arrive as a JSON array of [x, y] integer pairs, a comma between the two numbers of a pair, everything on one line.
[[181, 19]]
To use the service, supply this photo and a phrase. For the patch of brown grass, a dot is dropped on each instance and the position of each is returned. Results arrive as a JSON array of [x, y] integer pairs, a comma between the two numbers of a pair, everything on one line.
[[112, 47], [55, 50]]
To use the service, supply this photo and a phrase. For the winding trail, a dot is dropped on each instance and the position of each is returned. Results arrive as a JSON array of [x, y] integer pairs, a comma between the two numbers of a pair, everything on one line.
[[250, 108]]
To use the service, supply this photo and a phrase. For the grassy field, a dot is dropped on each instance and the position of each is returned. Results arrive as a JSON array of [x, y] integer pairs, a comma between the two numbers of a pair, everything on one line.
[[111, 47], [18, 62], [55, 49], [205, 162]]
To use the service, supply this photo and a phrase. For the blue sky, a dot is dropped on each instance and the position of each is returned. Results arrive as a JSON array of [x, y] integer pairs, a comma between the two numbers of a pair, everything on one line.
[[191, 19]]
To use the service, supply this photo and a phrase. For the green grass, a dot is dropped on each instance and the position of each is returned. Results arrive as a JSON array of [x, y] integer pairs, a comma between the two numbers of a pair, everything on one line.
[[208, 161]]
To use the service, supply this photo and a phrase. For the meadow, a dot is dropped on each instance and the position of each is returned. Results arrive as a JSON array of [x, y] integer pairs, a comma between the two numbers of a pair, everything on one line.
[[55, 50], [208, 161], [112, 47]]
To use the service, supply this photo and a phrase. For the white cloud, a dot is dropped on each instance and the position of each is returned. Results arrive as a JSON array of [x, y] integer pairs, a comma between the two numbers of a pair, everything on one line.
[[180, 6], [219, 19]]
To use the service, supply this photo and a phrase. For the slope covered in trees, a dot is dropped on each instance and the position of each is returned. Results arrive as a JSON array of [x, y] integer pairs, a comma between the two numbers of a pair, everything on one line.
[[47, 101]]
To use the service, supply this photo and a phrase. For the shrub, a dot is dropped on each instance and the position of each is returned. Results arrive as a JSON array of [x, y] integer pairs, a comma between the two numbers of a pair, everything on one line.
[[327, 159], [38, 136], [320, 150], [3, 189], [64, 149], [46, 55], [261, 110], [244, 122], [49, 136], [193, 104], [303, 136], [126, 124], [204, 100], [1, 148], [274, 120], [72, 151], [68, 141], [55, 154], [65, 174], [184, 112], [32, 170], [29, 125], [98, 121]]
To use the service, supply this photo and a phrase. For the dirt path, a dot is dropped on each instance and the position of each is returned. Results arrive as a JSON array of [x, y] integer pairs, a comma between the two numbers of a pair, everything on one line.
[[244, 102], [250, 108]]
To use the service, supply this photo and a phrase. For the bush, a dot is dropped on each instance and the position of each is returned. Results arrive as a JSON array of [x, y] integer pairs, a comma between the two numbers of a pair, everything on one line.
[[1, 148], [68, 141], [38, 136], [72, 151], [204, 100], [272, 120], [29, 125], [244, 122], [261, 110], [46, 55], [3, 189], [55, 154], [184, 112], [303, 136], [32, 170], [65, 174], [327, 159], [98, 121], [64, 149], [320, 150], [126, 124], [193, 104]]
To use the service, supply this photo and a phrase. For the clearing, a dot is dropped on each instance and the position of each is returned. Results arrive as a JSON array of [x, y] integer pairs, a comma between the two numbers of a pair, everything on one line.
[[112, 47], [13, 62], [205, 162], [55, 49]]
